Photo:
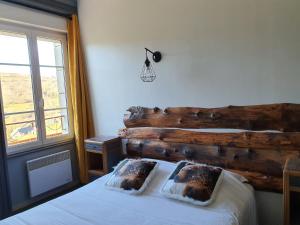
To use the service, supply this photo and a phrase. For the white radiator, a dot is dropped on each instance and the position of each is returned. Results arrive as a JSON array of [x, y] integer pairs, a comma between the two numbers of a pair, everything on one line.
[[49, 172]]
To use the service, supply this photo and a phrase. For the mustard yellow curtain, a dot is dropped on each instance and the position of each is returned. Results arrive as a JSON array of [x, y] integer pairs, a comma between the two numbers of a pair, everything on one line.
[[82, 115]]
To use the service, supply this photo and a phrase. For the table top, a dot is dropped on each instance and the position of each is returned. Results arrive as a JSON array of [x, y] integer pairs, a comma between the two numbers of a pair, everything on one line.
[[101, 139], [292, 165]]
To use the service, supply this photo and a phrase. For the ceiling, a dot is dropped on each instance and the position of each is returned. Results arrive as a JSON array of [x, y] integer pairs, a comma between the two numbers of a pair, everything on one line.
[[59, 7]]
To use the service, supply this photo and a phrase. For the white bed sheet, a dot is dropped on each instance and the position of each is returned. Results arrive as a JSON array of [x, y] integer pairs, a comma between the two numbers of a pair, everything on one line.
[[93, 204]]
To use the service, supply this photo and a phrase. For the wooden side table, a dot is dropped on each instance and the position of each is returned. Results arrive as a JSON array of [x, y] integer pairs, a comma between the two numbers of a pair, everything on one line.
[[291, 173], [102, 153]]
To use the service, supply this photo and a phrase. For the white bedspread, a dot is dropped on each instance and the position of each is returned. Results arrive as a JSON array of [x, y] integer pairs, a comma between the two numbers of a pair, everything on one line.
[[94, 204]]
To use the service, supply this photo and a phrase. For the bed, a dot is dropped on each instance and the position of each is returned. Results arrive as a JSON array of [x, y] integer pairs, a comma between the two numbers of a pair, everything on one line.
[[97, 205], [268, 136]]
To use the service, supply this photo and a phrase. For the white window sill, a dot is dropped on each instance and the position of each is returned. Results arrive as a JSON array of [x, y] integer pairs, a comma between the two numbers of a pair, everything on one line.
[[18, 152]]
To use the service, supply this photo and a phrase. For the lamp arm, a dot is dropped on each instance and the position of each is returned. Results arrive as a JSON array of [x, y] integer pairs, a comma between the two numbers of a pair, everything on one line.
[[156, 56], [147, 50]]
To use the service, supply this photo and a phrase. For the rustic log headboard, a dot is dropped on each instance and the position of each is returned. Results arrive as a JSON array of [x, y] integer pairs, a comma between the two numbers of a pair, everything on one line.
[[258, 152]]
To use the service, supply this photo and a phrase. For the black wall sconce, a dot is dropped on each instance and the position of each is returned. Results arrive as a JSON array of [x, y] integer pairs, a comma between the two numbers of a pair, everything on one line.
[[148, 73]]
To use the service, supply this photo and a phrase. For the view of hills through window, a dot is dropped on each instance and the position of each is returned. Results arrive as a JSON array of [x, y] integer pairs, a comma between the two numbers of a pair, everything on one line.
[[33, 97]]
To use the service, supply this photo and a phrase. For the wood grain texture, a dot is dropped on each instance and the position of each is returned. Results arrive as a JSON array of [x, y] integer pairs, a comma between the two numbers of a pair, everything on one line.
[[262, 181], [205, 154], [258, 156], [266, 164], [263, 140], [282, 117]]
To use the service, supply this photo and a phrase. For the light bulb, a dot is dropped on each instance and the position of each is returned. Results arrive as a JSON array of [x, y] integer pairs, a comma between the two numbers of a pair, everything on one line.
[[148, 73]]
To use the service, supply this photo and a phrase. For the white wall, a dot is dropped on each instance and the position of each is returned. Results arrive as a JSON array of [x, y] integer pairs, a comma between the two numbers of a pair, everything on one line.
[[216, 53]]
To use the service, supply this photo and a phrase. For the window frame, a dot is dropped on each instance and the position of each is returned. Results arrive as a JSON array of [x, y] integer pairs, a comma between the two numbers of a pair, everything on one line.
[[32, 35]]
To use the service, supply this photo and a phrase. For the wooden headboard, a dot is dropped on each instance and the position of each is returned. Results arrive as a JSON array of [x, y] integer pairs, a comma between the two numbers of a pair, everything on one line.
[[256, 153]]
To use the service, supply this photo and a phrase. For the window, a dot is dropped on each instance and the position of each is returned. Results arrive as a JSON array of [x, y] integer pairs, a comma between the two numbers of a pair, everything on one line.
[[33, 87]]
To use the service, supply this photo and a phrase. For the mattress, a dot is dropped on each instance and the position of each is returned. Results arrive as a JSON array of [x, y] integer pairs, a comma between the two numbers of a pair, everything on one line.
[[94, 204]]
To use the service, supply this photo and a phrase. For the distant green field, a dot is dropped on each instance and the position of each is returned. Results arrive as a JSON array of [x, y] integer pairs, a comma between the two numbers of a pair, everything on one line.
[[17, 97]]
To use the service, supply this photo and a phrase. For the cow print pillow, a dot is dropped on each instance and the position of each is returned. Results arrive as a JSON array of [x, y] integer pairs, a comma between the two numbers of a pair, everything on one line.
[[194, 183], [132, 175]]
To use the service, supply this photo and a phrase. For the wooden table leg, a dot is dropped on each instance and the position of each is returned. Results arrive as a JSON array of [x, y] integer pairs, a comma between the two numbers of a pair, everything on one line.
[[286, 197]]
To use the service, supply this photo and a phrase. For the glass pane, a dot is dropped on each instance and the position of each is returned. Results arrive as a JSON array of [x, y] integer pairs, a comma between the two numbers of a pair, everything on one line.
[[53, 87], [13, 48], [50, 52], [20, 128], [56, 122], [16, 86]]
